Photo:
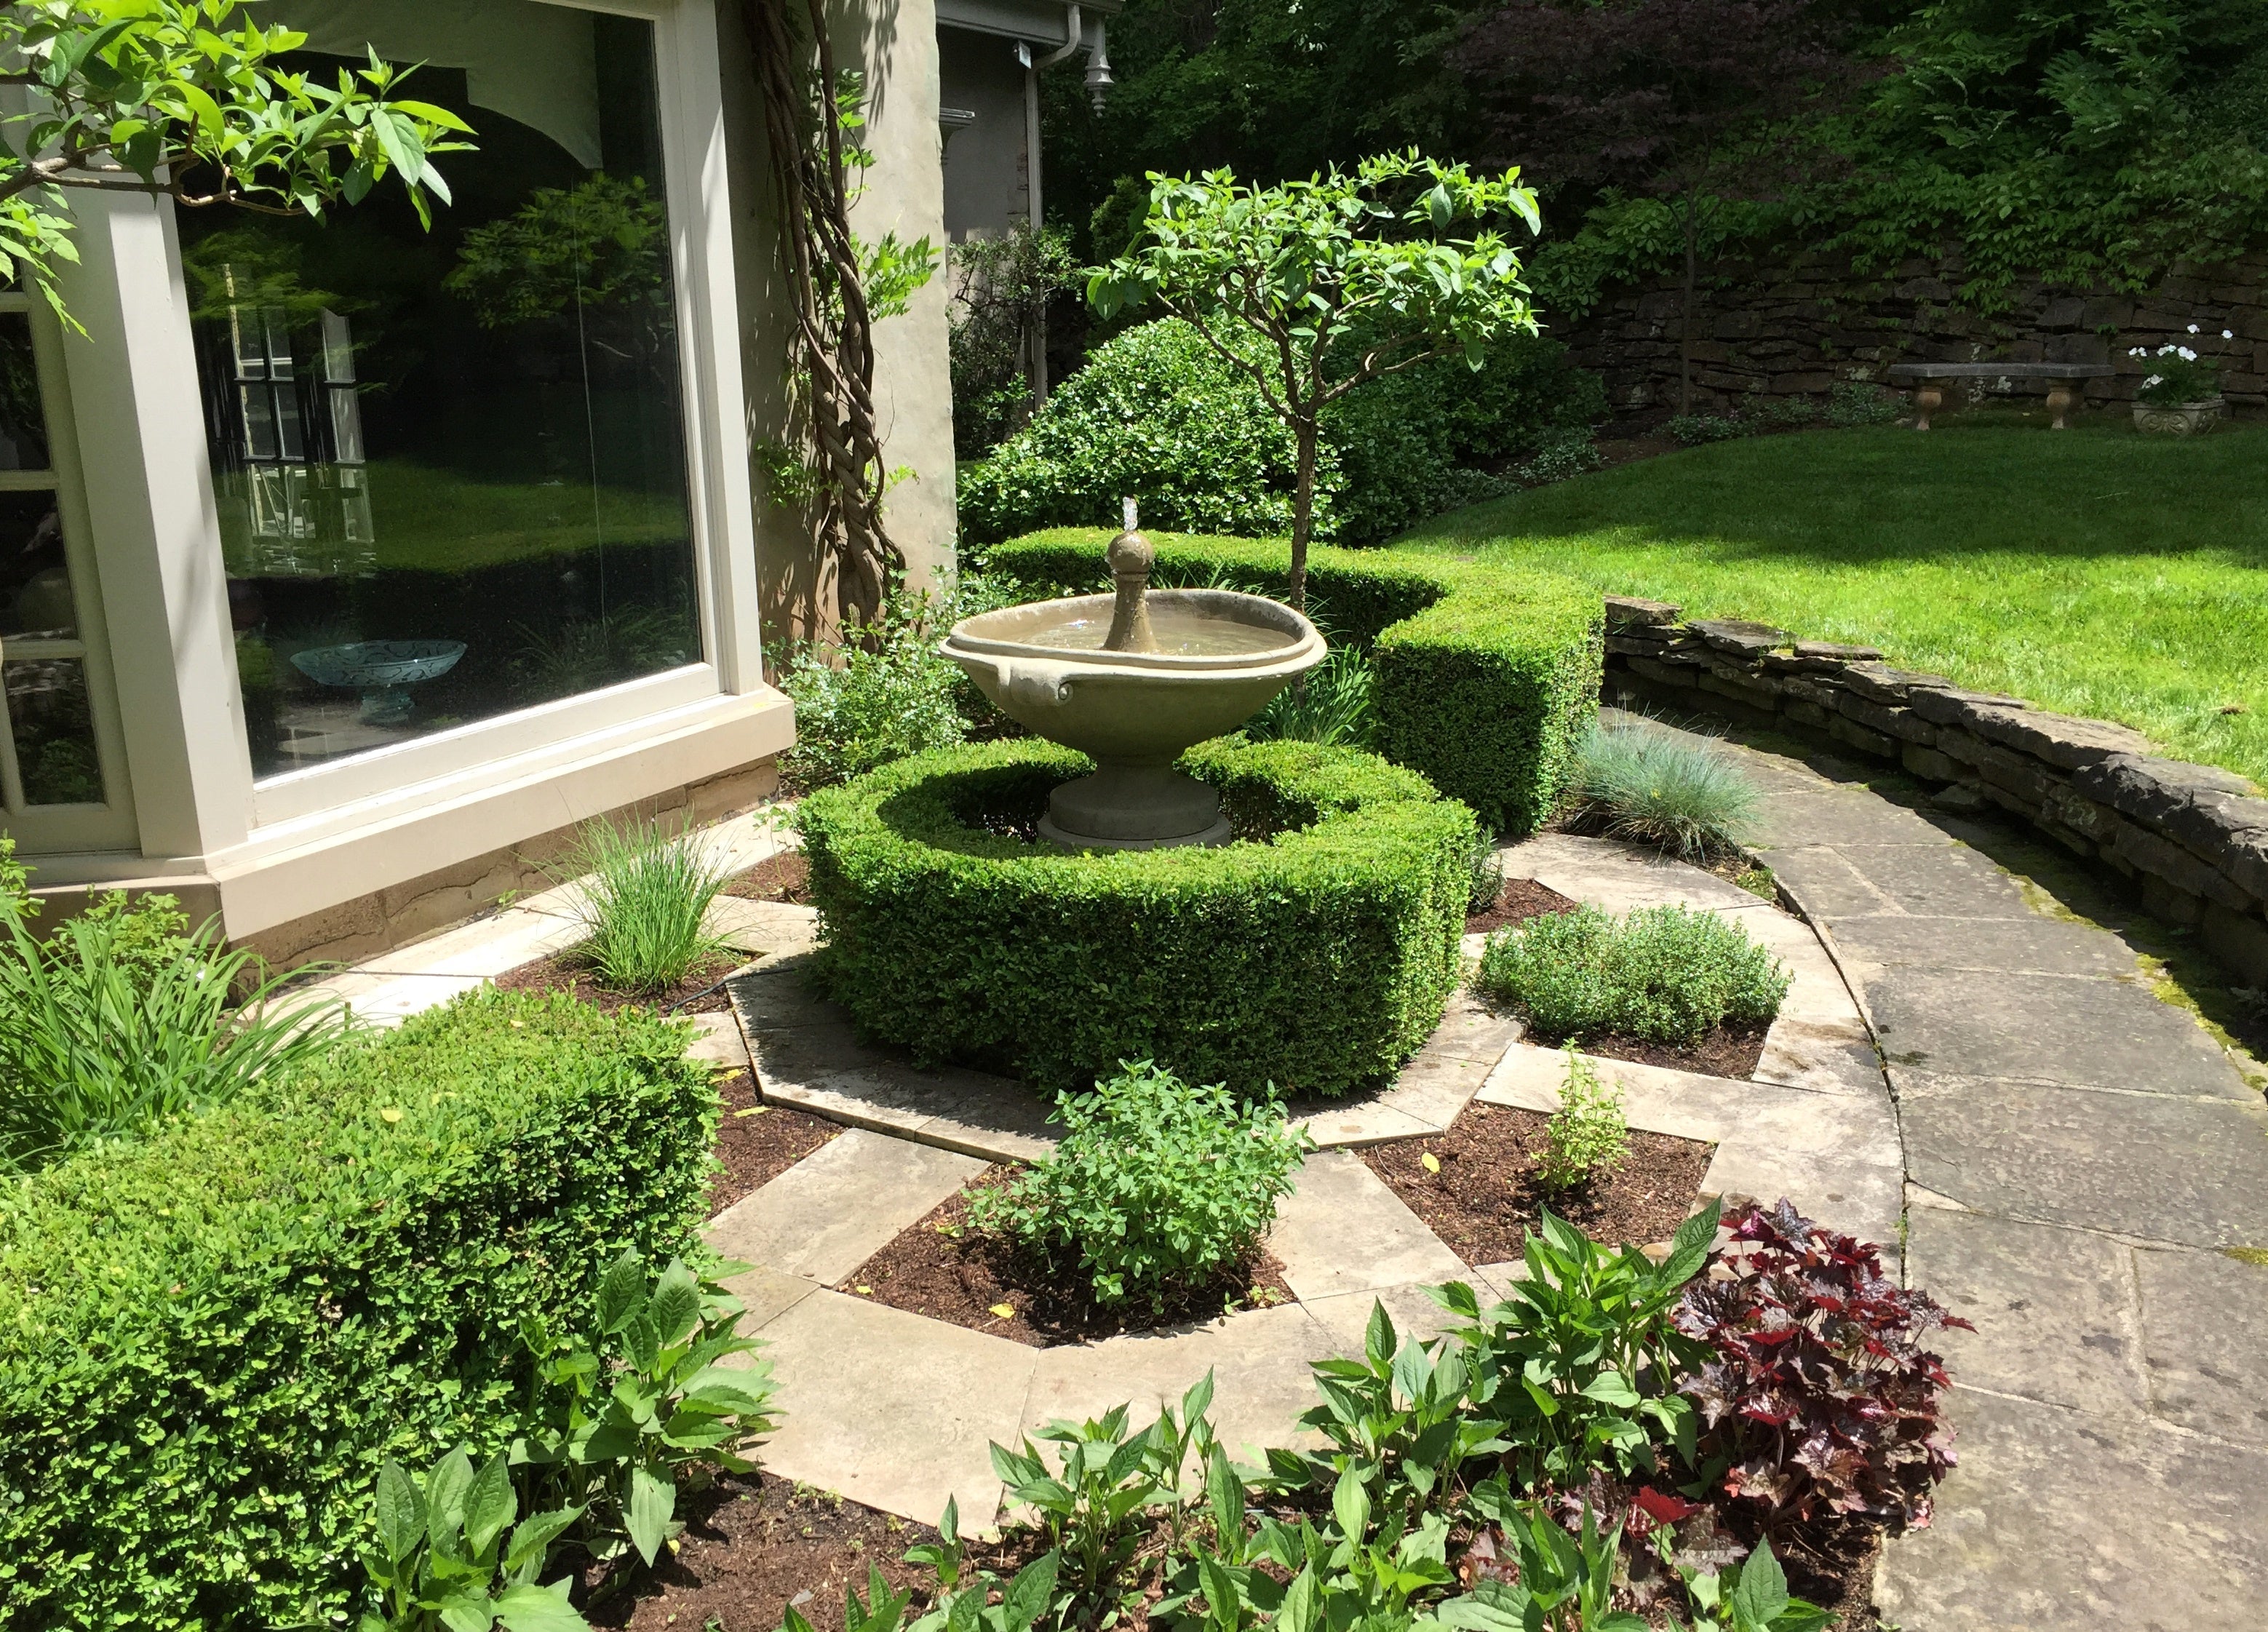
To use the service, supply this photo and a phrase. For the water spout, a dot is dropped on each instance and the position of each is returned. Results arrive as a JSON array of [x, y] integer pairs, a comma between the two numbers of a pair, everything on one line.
[[1131, 557]]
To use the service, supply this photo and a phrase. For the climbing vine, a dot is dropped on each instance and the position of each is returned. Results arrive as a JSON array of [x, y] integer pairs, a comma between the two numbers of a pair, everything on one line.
[[830, 464]]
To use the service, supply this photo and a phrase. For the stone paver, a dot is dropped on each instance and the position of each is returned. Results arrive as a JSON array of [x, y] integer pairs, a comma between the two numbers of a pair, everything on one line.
[[892, 1409], [1344, 1230], [840, 1205], [2204, 1319], [2068, 1521], [717, 1038]]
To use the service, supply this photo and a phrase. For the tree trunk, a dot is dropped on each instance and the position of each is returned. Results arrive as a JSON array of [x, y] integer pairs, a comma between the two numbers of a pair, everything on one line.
[[1685, 310], [1303, 510]]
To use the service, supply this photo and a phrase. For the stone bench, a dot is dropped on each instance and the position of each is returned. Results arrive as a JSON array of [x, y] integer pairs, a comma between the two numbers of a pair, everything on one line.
[[2063, 379]]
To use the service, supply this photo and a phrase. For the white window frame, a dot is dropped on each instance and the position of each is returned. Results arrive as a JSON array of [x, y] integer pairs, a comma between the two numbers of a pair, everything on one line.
[[138, 410]]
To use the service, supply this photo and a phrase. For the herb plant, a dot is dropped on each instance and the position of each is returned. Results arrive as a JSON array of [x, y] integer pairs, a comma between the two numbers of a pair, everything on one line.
[[1157, 1186], [644, 898], [1665, 973], [444, 1540], [1095, 1505], [1685, 797], [1814, 1389], [617, 1420], [1587, 1135], [119, 1020], [1577, 1365]]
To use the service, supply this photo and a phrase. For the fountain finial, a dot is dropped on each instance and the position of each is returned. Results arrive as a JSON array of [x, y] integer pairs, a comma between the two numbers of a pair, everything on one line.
[[1131, 557]]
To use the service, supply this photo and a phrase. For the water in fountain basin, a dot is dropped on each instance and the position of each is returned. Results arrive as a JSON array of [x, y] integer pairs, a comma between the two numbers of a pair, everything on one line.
[[1179, 634]]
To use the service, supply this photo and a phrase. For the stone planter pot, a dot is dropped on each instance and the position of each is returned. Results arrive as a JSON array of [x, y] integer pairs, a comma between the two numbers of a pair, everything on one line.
[[2179, 419]]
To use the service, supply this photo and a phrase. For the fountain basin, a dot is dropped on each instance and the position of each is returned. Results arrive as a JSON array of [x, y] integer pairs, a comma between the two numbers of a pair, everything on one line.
[[1220, 656]]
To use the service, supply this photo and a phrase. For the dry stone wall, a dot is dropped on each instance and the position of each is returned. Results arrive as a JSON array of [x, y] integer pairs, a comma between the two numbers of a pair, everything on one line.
[[2192, 838], [1792, 327]]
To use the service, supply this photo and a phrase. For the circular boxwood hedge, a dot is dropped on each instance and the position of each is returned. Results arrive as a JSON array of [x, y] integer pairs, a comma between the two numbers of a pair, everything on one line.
[[1315, 955]]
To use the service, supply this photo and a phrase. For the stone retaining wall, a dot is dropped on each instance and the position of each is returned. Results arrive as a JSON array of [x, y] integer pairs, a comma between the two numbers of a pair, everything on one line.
[[2193, 838], [1793, 327]]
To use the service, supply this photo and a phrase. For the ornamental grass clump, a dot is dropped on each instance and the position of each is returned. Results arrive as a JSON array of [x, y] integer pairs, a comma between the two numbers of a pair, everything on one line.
[[1687, 798], [644, 898], [1665, 975], [1158, 1185]]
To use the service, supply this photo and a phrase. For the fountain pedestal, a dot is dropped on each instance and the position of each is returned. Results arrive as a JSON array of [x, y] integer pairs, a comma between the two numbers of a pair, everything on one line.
[[1134, 807]]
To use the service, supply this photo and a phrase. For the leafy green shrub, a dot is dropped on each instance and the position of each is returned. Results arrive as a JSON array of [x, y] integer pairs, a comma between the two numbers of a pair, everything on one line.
[[1857, 402], [1318, 960], [1000, 285], [644, 898], [1692, 429], [1665, 973], [1562, 454], [443, 1539], [1685, 797], [119, 1021], [1485, 677], [1587, 1135], [210, 1341], [882, 692], [2178, 374], [1157, 1185], [1155, 413]]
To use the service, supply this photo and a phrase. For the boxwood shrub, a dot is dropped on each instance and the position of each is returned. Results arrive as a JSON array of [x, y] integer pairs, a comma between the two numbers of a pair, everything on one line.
[[1317, 959], [1487, 678], [210, 1340]]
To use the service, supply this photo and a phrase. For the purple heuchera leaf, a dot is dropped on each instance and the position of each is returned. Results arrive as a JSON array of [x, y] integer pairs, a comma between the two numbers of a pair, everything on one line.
[[1818, 1392]]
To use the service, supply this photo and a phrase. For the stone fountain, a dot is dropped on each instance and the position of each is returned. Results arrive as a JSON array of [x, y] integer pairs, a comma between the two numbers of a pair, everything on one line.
[[1132, 679]]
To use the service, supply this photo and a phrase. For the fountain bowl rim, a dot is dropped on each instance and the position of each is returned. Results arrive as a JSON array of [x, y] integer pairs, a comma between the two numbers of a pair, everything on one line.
[[1305, 650]]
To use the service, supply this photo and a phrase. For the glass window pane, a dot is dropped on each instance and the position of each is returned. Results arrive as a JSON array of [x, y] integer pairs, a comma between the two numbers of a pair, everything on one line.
[[54, 731], [35, 587], [451, 464], [23, 419]]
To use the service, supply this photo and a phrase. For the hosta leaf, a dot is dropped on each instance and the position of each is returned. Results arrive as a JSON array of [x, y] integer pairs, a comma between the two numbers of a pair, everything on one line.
[[653, 1499], [675, 1306]]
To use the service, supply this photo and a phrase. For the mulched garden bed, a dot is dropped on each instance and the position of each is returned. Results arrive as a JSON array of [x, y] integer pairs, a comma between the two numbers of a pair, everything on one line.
[[566, 972], [941, 1269], [753, 1545], [1484, 1199], [1723, 1051], [1517, 901], [786, 877], [756, 1142]]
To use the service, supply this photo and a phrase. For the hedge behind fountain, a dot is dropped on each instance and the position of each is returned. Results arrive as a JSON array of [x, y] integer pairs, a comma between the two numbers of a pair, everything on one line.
[[1317, 954]]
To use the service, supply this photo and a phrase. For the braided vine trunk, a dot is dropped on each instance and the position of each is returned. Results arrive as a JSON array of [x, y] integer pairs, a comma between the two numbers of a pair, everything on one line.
[[831, 384]]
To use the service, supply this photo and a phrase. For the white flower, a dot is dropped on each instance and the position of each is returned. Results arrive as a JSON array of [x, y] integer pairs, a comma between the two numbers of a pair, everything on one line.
[[2164, 351], [2140, 351], [2192, 328], [2229, 333], [2154, 379], [2188, 356]]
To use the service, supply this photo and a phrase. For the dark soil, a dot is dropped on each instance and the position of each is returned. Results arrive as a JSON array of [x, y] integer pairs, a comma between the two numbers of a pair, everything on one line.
[[786, 877], [565, 972], [943, 1269], [1723, 1051], [1484, 1199], [752, 1547], [1517, 901], [757, 1143]]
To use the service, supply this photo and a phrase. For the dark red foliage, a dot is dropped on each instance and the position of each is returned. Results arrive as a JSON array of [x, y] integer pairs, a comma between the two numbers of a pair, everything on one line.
[[1820, 1396]]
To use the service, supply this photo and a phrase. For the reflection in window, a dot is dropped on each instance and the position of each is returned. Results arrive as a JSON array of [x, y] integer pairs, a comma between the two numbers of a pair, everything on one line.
[[35, 588], [451, 464], [53, 729]]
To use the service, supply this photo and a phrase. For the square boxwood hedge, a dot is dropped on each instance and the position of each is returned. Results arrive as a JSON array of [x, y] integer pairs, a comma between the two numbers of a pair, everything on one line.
[[1486, 676], [209, 1340], [1318, 959]]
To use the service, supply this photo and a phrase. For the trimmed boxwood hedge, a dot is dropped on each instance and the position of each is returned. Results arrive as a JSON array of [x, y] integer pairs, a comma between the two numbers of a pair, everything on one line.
[[1318, 959], [209, 1340], [1486, 677]]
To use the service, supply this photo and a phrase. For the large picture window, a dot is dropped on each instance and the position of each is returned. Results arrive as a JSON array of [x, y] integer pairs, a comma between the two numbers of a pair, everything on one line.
[[451, 464]]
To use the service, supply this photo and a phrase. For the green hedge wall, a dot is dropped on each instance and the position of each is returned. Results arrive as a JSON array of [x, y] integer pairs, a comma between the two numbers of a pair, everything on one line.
[[1318, 960], [1485, 677], [210, 1340]]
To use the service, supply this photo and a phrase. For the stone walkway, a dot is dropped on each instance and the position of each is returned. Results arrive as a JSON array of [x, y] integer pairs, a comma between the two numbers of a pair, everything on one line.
[[2080, 1159]]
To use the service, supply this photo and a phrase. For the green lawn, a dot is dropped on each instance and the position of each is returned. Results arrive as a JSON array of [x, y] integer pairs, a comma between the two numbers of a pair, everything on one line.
[[2098, 572]]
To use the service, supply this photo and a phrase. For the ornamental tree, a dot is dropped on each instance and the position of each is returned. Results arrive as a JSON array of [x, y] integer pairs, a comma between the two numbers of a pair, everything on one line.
[[186, 98], [1311, 288]]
